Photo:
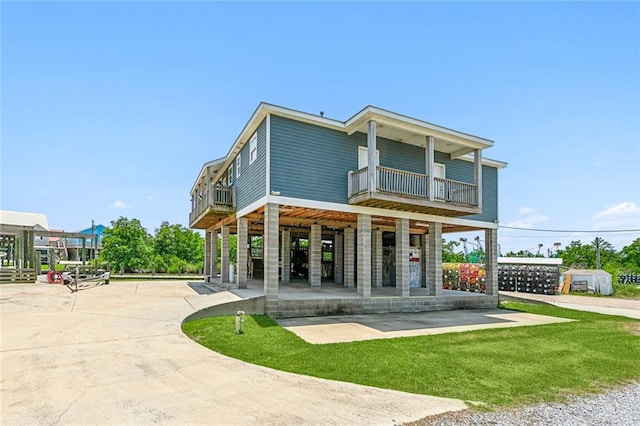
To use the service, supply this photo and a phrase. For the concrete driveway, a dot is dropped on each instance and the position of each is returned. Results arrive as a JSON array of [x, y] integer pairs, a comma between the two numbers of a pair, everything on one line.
[[115, 354], [602, 305]]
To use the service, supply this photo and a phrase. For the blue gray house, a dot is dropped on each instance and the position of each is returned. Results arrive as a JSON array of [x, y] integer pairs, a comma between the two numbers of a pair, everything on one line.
[[360, 205]]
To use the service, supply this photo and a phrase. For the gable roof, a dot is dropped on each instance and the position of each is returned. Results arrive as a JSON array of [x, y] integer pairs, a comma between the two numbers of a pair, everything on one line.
[[36, 220], [391, 125]]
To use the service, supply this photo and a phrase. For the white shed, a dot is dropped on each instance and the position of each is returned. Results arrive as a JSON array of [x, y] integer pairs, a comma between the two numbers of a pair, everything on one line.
[[591, 280]]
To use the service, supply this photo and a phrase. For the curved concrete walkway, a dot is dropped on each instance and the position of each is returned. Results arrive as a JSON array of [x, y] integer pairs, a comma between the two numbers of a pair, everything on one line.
[[602, 305], [115, 354]]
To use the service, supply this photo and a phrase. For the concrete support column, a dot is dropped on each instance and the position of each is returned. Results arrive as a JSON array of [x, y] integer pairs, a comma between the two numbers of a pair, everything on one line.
[[286, 255], [213, 261], [372, 175], [243, 252], [424, 259], [434, 265], [315, 256], [402, 257], [491, 261], [270, 256], [376, 258], [224, 260], [337, 258], [364, 255], [207, 256], [349, 257], [428, 156], [477, 173]]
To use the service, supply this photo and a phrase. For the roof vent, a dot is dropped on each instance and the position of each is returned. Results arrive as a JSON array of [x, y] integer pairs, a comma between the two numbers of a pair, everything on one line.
[[321, 113]]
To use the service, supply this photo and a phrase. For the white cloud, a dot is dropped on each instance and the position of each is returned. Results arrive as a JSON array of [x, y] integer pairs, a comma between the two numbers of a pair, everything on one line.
[[525, 210], [529, 221], [622, 209], [149, 198], [121, 205], [625, 215]]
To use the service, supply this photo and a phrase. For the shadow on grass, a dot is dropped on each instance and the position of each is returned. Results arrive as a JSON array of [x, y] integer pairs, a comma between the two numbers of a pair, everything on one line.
[[264, 321]]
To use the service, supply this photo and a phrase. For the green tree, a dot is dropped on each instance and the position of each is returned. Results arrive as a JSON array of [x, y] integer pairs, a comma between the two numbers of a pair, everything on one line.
[[178, 249], [630, 256], [578, 255], [449, 253], [126, 243]]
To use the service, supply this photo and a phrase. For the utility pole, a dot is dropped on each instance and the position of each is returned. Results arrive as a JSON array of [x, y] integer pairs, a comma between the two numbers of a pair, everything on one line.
[[94, 245], [597, 252]]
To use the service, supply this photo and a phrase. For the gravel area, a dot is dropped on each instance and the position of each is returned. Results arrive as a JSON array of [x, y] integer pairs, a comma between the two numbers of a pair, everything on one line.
[[618, 407]]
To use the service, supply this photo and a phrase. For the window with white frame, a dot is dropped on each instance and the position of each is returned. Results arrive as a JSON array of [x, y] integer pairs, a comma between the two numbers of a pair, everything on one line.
[[230, 175], [238, 165], [253, 148]]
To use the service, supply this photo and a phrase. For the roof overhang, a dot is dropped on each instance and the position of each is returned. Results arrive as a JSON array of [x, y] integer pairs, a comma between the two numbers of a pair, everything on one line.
[[390, 125], [213, 167], [410, 130]]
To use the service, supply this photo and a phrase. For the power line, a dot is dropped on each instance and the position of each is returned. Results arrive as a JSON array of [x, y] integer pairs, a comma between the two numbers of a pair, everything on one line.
[[569, 231]]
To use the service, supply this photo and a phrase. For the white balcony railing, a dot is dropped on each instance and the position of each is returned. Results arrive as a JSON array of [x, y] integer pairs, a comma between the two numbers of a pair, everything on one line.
[[416, 185], [214, 197]]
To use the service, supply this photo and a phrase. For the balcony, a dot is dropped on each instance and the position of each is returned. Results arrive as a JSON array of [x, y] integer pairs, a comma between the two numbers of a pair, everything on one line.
[[207, 208], [402, 190]]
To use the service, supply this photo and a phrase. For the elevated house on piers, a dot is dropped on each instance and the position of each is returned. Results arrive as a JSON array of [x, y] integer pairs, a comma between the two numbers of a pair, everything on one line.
[[351, 213]]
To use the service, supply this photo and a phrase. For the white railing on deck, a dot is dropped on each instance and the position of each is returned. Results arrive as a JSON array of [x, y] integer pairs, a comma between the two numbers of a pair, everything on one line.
[[214, 196], [400, 182], [358, 181], [456, 192]]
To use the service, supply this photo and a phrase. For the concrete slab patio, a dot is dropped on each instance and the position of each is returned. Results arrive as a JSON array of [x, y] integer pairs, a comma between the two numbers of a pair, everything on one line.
[[115, 354], [350, 328]]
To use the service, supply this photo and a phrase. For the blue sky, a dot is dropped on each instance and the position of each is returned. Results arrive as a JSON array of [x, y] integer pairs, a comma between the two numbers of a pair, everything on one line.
[[110, 108]]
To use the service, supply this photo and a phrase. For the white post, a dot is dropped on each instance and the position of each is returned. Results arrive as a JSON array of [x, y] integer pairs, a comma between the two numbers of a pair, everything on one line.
[[372, 165], [477, 173], [428, 154]]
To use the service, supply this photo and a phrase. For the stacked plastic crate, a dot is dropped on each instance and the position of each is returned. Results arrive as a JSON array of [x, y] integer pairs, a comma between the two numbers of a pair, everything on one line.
[[528, 278]]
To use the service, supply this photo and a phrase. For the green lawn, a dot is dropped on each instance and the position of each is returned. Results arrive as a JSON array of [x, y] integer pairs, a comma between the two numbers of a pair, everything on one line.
[[501, 366]]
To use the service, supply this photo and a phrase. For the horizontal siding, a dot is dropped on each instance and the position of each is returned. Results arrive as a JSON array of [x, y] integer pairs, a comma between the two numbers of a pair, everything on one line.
[[489, 196], [251, 185], [312, 162]]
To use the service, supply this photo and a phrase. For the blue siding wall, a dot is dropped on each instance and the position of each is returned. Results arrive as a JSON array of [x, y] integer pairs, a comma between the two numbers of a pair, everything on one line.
[[251, 184], [312, 162], [489, 196]]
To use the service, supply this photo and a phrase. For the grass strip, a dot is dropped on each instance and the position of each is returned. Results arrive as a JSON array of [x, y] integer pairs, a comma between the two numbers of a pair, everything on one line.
[[508, 366]]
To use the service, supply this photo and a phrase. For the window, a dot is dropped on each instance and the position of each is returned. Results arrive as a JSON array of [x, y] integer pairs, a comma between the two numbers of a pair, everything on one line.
[[363, 157], [253, 148], [230, 176], [238, 165]]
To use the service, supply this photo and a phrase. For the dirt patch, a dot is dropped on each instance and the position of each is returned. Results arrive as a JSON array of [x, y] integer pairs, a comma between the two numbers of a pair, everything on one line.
[[633, 328]]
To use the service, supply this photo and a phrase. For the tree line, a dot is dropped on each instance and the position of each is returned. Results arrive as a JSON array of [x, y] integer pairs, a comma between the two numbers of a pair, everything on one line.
[[598, 253], [127, 245], [177, 249]]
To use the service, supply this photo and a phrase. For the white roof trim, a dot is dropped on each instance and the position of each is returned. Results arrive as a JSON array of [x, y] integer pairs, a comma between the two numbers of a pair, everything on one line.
[[371, 112], [204, 169], [485, 161], [350, 126]]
